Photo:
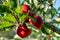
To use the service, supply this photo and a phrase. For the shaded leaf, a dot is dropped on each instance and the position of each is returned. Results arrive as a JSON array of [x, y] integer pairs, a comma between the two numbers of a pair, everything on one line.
[[4, 8], [44, 30], [14, 3], [53, 11], [52, 27], [59, 9], [34, 19], [47, 25]]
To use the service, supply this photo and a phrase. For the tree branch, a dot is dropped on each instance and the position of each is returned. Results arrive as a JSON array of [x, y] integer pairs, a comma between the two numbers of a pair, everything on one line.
[[18, 3], [14, 13]]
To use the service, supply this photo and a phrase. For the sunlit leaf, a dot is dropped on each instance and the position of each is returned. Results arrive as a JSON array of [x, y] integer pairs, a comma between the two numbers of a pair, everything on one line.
[[7, 3], [23, 18], [19, 11], [9, 17], [5, 24]]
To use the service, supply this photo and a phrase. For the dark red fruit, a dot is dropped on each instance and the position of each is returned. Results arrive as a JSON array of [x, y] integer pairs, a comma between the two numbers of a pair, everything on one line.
[[25, 8], [38, 23], [23, 31]]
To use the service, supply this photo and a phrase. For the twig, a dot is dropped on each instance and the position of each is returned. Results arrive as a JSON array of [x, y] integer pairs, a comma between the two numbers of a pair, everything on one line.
[[18, 3], [14, 13]]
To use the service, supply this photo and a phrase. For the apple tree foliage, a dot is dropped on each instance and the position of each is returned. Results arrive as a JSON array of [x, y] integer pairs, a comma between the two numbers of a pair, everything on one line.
[[11, 15]]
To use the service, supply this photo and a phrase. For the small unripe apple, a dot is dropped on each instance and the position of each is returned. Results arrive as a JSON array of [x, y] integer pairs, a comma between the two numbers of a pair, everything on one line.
[[25, 8], [38, 24], [23, 31]]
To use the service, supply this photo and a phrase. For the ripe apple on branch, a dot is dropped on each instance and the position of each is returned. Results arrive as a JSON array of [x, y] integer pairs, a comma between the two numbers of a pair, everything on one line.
[[22, 30]]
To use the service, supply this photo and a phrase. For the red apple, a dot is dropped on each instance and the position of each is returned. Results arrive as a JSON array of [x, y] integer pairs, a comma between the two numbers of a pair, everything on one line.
[[39, 23], [23, 31], [25, 8]]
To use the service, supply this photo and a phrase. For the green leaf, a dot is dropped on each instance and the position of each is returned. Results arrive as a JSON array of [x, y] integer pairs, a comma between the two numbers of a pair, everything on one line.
[[44, 30], [50, 1], [58, 38], [2, 14], [59, 9], [14, 3], [55, 21], [7, 3], [23, 18], [52, 27], [8, 28], [53, 11], [47, 25], [34, 19], [4, 8], [5, 24], [17, 39], [10, 18], [31, 26], [19, 11], [27, 1]]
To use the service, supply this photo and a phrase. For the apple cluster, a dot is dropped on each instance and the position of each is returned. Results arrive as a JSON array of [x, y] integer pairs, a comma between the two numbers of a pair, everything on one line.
[[23, 31]]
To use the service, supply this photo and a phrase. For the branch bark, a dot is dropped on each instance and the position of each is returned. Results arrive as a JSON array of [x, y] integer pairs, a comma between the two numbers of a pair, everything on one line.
[[18, 3], [14, 13]]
